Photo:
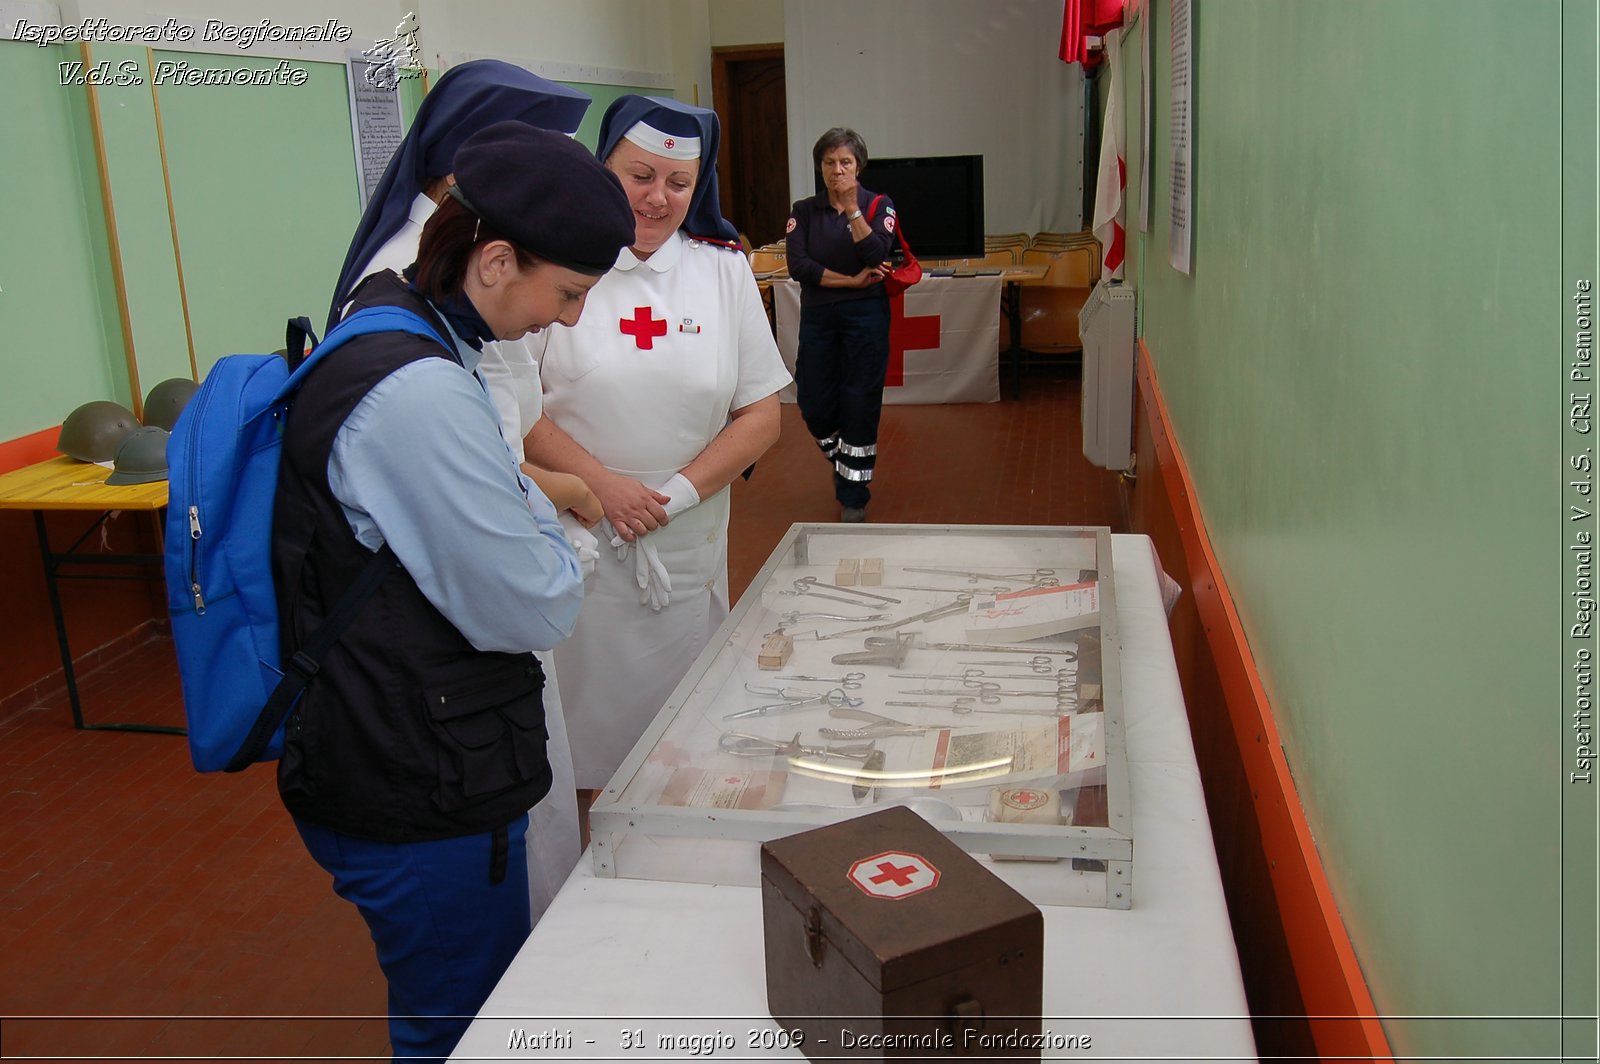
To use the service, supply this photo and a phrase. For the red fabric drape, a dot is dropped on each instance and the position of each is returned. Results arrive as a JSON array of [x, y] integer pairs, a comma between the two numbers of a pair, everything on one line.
[[1081, 19]]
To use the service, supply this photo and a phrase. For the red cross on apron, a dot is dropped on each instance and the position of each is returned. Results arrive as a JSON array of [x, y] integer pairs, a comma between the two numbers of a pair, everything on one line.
[[644, 327], [905, 334]]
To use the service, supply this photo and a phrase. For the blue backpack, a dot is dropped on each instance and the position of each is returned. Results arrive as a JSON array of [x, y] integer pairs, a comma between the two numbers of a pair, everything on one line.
[[222, 465]]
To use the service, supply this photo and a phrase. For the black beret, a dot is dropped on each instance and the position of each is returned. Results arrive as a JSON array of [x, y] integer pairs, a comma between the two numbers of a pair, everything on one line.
[[546, 193]]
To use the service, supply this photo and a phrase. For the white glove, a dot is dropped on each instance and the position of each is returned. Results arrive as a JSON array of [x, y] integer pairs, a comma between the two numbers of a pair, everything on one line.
[[618, 544], [681, 495], [655, 587], [584, 543]]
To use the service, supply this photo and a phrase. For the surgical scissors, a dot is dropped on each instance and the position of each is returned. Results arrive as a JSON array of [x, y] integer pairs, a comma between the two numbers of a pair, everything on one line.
[[743, 744], [800, 700], [849, 681]]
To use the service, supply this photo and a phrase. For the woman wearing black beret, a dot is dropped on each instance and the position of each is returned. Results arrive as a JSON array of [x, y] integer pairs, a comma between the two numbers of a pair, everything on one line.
[[412, 760]]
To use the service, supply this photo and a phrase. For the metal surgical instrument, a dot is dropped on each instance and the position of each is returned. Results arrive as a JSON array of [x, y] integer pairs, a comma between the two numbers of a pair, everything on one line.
[[788, 701], [957, 704], [880, 650], [984, 694], [961, 602], [793, 617], [743, 744], [987, 648], [1038, 578], [1039, 663], [878, 726], [849, 681], [804, 584]]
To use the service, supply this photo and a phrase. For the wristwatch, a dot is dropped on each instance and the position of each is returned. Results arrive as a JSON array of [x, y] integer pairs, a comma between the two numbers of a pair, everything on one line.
[[853, 217]]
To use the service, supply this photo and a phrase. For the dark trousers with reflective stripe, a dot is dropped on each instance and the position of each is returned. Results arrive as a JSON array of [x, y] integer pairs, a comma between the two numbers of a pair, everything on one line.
[[839, 370], [446, 917]]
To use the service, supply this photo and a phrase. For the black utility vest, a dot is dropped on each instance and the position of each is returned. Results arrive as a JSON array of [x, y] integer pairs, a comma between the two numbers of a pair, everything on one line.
[[407, 733]]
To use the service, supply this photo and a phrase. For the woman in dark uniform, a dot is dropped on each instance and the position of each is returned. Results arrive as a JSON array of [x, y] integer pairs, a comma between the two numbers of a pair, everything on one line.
[[838, 244]]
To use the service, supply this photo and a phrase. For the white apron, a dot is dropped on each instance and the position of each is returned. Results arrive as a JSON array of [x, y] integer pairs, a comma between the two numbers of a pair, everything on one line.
[[665, 349]]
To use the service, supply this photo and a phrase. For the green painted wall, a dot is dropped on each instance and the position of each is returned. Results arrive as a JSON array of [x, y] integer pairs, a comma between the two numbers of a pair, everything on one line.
[[1365, 371], [265, 197]]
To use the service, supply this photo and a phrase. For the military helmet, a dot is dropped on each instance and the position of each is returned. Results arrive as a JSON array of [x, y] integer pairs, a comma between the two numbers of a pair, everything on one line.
[[141, 456], [167, 400], [91, 432]]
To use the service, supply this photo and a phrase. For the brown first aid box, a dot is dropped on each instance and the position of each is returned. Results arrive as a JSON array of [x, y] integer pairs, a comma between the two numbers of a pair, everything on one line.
[[886, 939]]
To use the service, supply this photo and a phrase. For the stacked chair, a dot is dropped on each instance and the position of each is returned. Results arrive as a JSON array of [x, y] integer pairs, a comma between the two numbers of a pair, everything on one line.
[[1049, 309]]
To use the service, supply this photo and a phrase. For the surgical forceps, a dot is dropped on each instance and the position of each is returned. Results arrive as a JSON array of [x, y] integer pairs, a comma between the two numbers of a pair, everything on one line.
[[743, 744], [803, 586], [983, 694], [1038, 578], [793, 617], [965, 676], [788, 701], [995, 648], [957, 704], [1065, 694], [877, 726], [1039, 663], [849, 681], [960, 604]]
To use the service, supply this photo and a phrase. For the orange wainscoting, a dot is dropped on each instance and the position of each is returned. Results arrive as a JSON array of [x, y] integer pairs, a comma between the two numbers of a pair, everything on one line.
[[1304, 983]]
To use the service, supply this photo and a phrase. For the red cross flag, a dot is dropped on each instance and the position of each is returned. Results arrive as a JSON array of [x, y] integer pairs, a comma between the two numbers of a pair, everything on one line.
[[894, 875], [1109, 212], [944, 340]]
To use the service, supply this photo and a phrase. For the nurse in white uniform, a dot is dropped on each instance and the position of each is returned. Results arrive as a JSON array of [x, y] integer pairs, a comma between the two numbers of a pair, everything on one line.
[[659, 398], [466, 99]]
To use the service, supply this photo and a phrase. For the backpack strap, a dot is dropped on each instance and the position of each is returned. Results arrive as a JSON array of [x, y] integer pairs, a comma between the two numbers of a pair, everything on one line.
[[363, 322], [307, 661]]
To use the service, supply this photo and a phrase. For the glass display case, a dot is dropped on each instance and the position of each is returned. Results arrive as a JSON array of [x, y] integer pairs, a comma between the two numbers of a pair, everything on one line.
[[968, 672]]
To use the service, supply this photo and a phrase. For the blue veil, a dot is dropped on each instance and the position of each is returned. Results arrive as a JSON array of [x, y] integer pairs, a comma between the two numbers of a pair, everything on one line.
[[466, 99], [679, 119]]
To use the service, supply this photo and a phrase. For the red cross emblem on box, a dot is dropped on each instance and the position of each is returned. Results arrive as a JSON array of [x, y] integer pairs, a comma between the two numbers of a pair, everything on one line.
[[894, 875]]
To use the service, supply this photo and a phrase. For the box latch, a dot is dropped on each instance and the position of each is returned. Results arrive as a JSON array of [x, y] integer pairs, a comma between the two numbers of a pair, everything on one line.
[[965, 1015], [816, 944]]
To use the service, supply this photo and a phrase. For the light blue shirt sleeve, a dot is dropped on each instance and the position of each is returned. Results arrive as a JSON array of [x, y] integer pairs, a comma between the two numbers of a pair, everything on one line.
[[420, 464]]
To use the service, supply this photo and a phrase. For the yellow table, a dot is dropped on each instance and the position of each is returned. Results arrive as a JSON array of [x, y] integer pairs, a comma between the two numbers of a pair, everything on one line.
[[67, 484]]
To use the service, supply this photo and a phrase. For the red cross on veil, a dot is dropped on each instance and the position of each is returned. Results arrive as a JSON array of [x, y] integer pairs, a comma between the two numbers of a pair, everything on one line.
[[905, 334], [644, 327]]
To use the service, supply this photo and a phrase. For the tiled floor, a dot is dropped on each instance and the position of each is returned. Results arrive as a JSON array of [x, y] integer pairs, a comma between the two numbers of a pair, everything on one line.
[[132, 888]]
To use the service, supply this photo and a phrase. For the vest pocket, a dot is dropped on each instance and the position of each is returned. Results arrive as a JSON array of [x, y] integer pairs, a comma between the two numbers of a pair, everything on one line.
[[490, 732]]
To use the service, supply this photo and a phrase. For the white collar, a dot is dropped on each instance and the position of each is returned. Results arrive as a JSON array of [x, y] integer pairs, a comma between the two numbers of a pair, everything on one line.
[[422, 208], [665, 257]]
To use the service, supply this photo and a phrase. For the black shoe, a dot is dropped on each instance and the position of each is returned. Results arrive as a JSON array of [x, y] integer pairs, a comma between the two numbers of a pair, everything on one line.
[[853, 515]]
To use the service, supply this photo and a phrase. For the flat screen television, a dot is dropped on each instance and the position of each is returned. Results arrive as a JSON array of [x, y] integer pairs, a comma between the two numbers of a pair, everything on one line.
[[940, 198]]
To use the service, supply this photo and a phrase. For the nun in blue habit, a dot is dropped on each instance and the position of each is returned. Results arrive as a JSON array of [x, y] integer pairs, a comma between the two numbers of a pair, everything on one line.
[[465, 100], [658, 398]]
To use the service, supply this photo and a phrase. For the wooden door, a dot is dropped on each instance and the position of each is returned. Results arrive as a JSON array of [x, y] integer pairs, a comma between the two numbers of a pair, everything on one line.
[[750, 100]]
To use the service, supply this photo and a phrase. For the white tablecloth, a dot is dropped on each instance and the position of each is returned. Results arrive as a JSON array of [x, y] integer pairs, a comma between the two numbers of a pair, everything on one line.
[[620, 960], [947, 335]]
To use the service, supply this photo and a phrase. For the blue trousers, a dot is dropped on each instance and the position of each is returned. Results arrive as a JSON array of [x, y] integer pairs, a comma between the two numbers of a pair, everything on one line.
[[840, 364], [444, 934]]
